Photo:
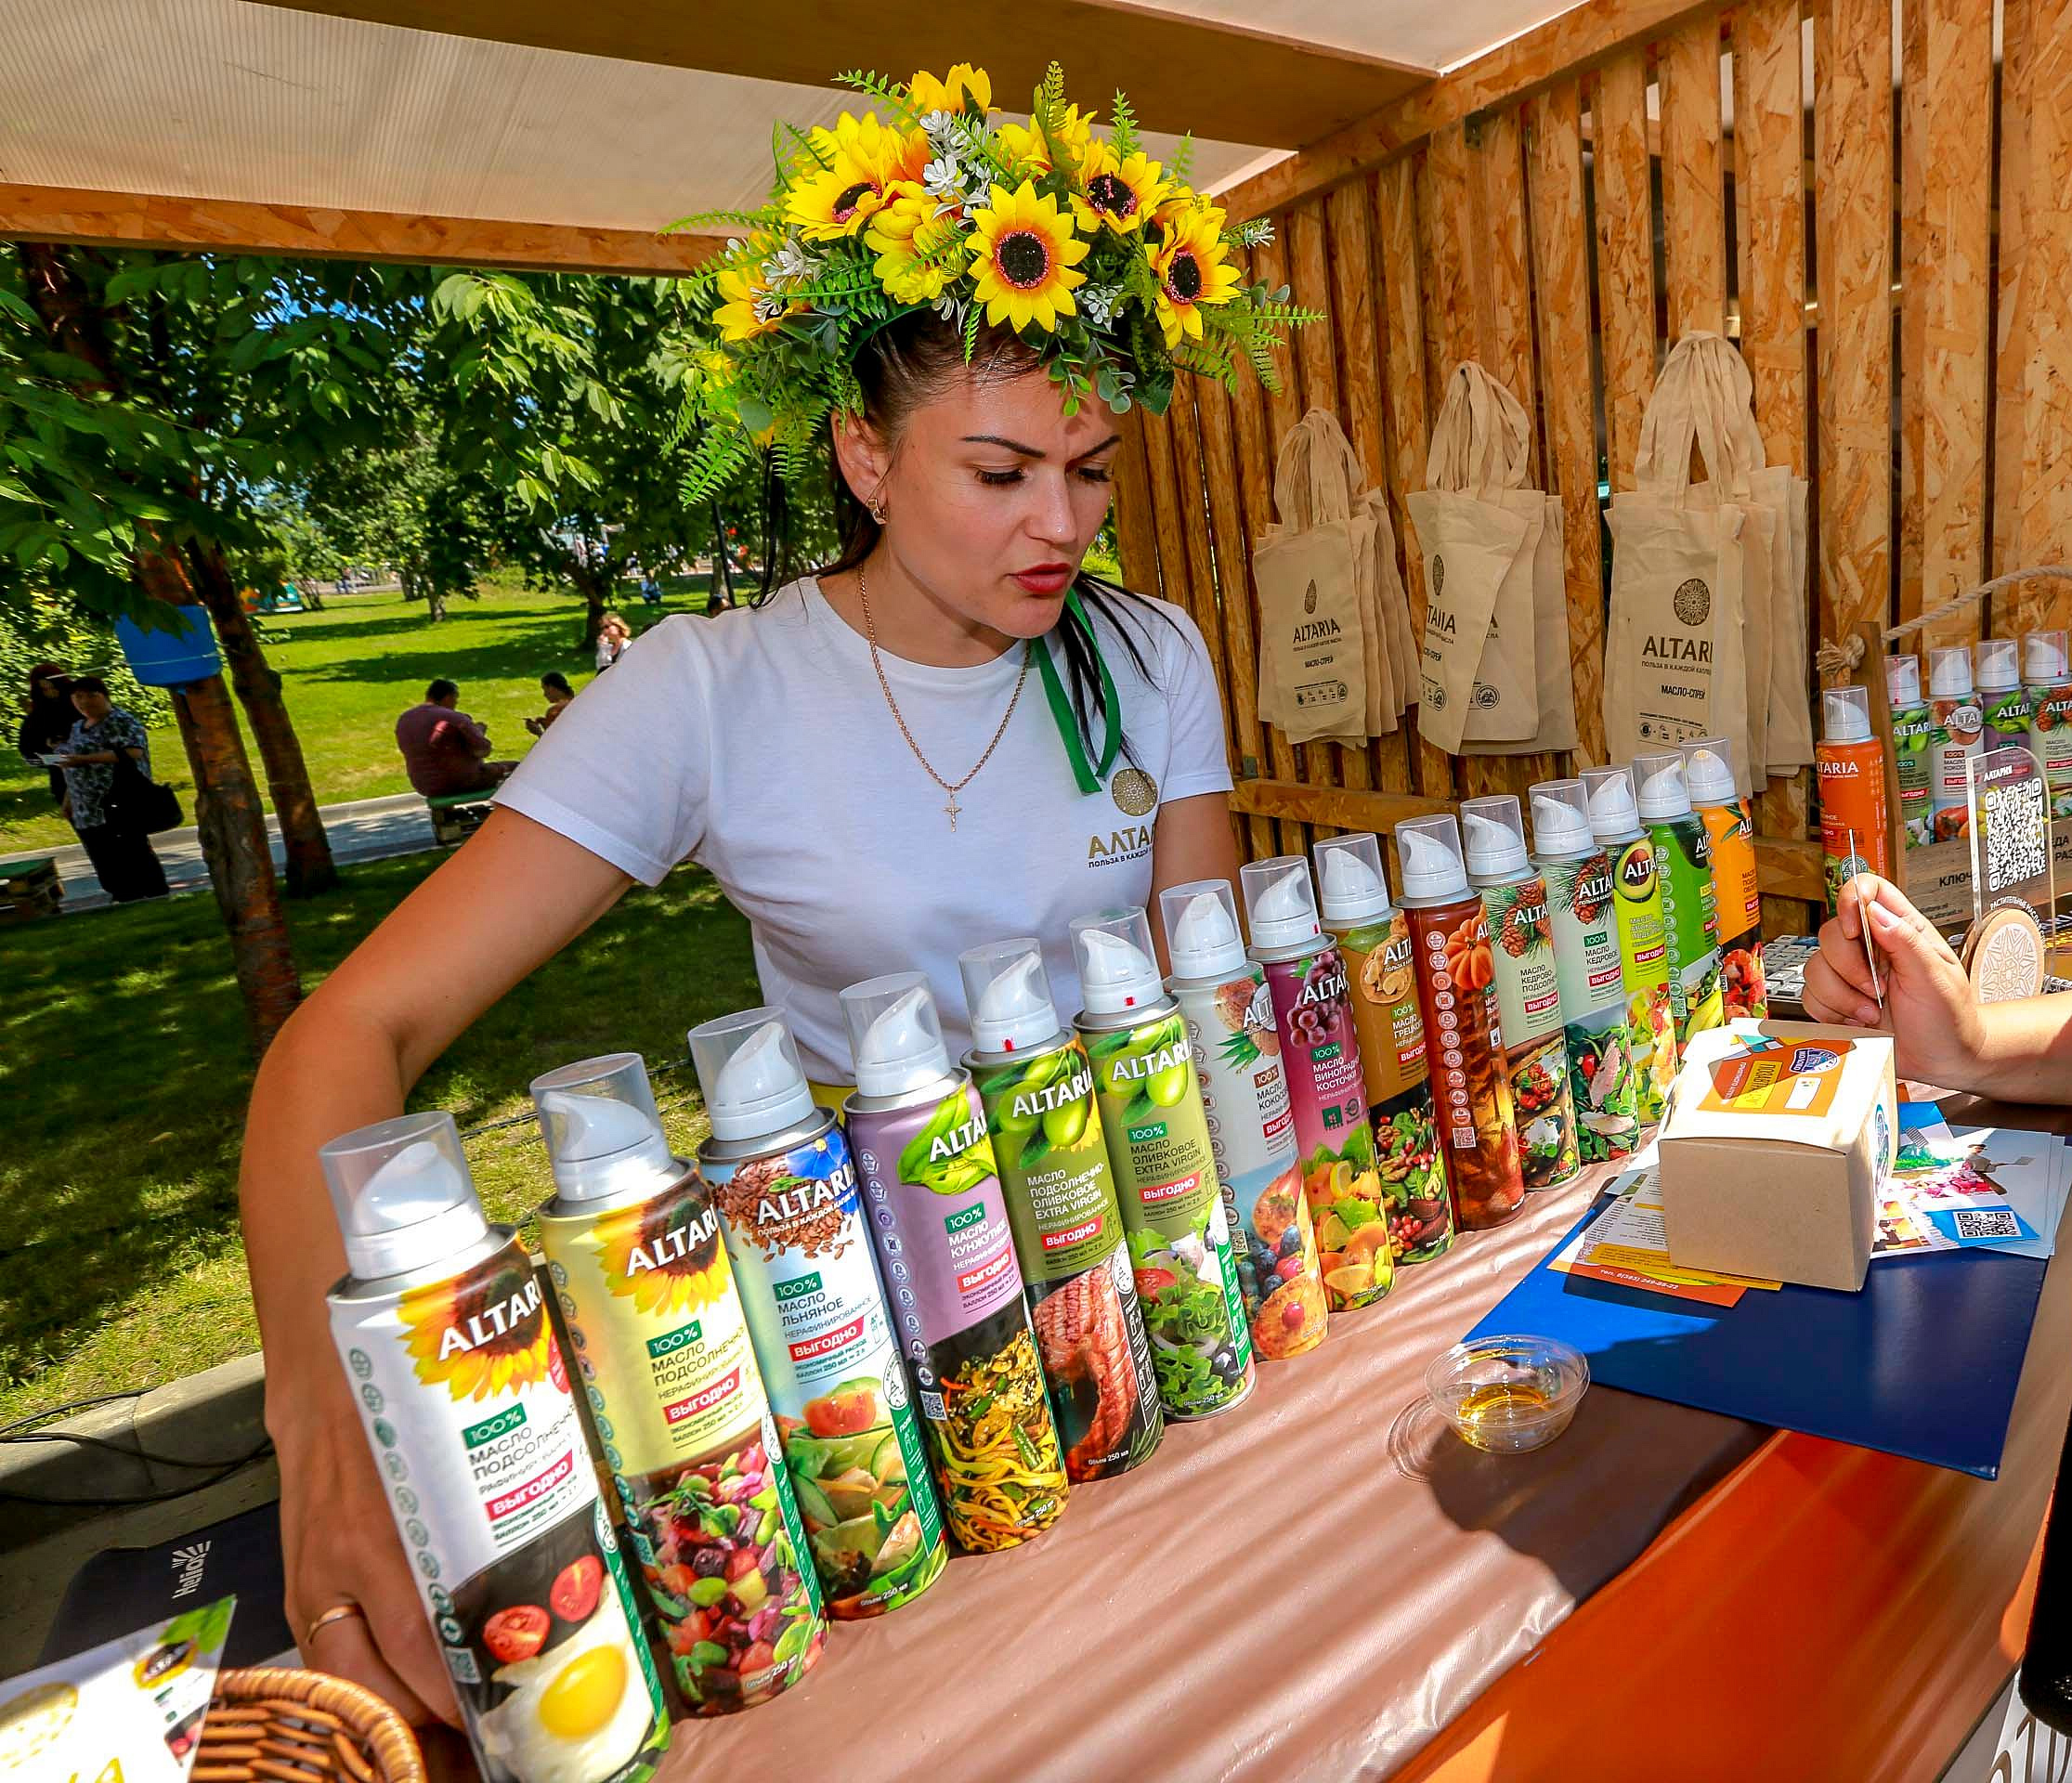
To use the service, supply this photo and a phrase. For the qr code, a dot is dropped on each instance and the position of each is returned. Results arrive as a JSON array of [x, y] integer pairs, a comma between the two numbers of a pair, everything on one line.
[[2017, 834], [1988, 1222]]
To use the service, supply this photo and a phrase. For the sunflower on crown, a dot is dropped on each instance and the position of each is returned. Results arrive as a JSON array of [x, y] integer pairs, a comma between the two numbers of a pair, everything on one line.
[[1096, 255]]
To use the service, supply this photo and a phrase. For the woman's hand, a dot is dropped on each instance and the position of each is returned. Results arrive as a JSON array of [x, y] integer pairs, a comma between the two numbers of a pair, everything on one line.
[[340, 1547], [1930, 1008]]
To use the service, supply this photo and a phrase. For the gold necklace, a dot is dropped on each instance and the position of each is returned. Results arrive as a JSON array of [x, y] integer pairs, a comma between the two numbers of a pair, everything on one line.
[[899, 718]]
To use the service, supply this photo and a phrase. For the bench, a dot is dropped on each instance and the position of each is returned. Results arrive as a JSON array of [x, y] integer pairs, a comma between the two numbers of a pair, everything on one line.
[[30, 888], [457, 815]]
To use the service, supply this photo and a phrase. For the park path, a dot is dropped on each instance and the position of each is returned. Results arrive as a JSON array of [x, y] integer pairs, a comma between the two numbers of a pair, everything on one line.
[[367, 829]]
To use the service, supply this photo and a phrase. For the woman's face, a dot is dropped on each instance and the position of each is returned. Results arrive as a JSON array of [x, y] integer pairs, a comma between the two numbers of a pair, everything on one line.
[[93, 708], [992, 495]]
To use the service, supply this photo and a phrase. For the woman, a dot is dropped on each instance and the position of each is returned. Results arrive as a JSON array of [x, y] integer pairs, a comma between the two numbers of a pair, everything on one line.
[[946, 736], [103, 736], [612, 639], [46, 721], [555, 685]]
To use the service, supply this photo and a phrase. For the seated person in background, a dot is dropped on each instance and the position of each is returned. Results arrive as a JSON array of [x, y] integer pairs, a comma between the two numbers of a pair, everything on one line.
[[444, 749], [554, 685]]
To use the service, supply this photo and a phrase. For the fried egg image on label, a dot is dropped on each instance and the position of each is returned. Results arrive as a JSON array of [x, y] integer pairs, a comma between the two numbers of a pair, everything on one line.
[[581, 1711]]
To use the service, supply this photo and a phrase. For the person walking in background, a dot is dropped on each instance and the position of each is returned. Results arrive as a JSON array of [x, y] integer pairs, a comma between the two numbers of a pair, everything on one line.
[[554, 685], [106, 742], [46, 721], [612, 639], [444, 749]]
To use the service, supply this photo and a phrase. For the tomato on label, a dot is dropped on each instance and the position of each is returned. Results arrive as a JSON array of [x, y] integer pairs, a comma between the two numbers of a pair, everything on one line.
[[576, 1587], [517, 1633]]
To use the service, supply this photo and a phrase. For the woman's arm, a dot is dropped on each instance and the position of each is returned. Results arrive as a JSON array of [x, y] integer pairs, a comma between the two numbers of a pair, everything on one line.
[[511, 899], [1193, 841]]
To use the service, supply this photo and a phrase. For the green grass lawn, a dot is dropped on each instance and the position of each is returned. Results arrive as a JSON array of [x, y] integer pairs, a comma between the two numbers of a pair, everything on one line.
[[348, 671], [125, 1073]]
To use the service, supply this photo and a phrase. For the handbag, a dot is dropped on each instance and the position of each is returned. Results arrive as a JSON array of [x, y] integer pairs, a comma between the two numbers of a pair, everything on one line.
[[138, 803]]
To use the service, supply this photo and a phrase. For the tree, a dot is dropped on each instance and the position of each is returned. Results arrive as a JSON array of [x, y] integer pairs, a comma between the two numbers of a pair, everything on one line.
[[404, 504]]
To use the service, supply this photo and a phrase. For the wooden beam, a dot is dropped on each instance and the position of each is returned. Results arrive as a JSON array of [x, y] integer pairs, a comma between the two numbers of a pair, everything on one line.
[[1693, 197], [1559, 49], [137, 220], [1789, 869], [1333, 807], [1625, 257], [1232, 82]]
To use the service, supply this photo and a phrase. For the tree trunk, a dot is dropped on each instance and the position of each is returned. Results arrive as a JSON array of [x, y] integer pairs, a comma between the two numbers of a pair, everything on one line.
[[228, 813], [593, 585], [434, 602], [310, 867], [720, 596]]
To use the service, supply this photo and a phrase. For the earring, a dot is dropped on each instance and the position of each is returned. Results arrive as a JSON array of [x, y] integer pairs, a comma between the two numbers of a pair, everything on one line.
[[878, 513]]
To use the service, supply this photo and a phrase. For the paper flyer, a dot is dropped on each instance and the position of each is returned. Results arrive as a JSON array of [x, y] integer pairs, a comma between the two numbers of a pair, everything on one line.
[[1990, 1187], [1625, 1244], [126, 1712]]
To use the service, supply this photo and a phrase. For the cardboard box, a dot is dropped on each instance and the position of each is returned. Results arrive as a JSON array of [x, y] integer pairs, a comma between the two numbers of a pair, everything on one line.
[[1779, 1138]]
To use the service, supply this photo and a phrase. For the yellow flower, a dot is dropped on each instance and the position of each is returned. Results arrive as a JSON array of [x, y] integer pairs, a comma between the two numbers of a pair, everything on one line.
[[1023, 254], [905, 232], [652, 1254], [859, 160], [481, 1335], [1118, 192], [1025, 143], [963, 85], [1193, 270], [745, 315]]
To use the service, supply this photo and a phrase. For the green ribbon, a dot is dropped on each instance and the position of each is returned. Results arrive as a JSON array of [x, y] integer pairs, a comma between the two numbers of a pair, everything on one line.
[[1090, 777]]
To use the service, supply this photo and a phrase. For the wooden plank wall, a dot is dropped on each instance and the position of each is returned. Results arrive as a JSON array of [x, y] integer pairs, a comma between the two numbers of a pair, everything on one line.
[[1524, 230]]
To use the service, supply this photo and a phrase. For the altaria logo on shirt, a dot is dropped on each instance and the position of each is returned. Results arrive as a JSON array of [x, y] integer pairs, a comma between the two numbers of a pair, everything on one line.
[[1131, 843]]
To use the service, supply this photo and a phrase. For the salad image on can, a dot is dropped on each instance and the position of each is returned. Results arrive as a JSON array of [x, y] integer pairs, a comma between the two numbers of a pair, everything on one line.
[[1180, 1286], [1349, 1210], [1605, 1079], [1539, 1082], [1283, 1243], [850, 1478], [1405, 1143]]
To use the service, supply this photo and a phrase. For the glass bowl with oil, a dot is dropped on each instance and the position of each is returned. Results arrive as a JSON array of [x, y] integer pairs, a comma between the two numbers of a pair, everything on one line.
[[1508, 1396]]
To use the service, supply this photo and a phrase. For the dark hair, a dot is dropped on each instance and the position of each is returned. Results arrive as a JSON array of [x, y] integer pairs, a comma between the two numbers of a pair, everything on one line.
[[555, 681], [441, 689], [903, 367], [52, 673], [87, 685]]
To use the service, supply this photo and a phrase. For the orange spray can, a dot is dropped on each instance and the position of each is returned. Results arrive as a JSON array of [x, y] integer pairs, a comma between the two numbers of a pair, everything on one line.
[[1851, 764]]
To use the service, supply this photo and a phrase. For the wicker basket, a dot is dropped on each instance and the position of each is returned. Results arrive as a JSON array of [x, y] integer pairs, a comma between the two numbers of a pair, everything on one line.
[[271, 1725]]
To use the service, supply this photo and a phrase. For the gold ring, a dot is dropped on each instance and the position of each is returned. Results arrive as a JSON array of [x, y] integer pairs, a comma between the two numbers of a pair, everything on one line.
[[336, 1613]]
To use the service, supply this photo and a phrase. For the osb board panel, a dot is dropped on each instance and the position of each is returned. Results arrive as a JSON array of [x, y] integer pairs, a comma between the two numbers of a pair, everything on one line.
[[1135, 529], [1625, 253], [1693, 193], [2012, 611], [1945, 303], [1769, 143], [1185, 429], [1853, 192], [1175, 581], [1561, 242], [1445, 240]]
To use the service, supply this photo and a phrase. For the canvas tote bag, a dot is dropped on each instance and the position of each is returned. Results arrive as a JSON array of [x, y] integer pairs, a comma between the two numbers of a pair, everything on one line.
[[1314, 650]]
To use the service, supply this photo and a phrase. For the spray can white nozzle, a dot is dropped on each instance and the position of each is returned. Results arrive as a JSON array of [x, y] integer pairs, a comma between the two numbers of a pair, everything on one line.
[[1494, 832], [1709, 771], [1949, 672], [2000, 667], [895, 1033], [1201, 929], [402, 1193], [1433, 869], [1279, 902], [1845, 712], [1355, 886], [602, 1130], [1665, 797], [1117, 970], [1613, 815], [1903, 681], [1008, 995], [747, 1065], [1560, 818], [2044, 657]]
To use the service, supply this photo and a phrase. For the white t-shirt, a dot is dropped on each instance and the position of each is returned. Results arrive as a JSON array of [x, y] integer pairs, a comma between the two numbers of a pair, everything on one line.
[[759, 743]]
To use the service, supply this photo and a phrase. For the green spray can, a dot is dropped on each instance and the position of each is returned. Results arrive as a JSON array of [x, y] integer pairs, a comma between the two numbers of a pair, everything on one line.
[[1911, 725], [1689, 902], [1643, 947], [1164, 1166]]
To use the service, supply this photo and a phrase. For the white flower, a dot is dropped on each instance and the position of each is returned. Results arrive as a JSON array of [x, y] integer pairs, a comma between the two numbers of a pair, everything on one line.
[[789, 265], [939, 127], [770, 307], [951, 310], [1097, 303], [944, 179]]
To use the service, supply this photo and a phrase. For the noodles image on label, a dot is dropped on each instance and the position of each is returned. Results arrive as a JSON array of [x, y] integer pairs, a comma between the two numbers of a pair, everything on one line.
[[441, 1324], [780, 1173], [1736, 895], [1327, 1086], [641, 1276], [1643, 944], [1528, 988], [1690, 910], [1173, 1208], [1374, 938], [1604, 1079], [1222, 996], [1036, 1085], [945, 1248]]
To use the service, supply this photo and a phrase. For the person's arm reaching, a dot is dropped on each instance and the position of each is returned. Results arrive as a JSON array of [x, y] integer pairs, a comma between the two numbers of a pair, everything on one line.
[[511, 899], [1941, 1034]]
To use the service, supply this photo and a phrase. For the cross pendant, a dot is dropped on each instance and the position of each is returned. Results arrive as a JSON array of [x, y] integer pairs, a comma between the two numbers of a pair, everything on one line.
[[953, 808]]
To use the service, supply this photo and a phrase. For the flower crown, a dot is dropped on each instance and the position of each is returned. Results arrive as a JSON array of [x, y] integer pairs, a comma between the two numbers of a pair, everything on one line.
[[1099, 258]]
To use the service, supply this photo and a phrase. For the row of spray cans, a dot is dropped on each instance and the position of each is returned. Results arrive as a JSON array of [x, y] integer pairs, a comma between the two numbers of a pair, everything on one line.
[[1995, 694]]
